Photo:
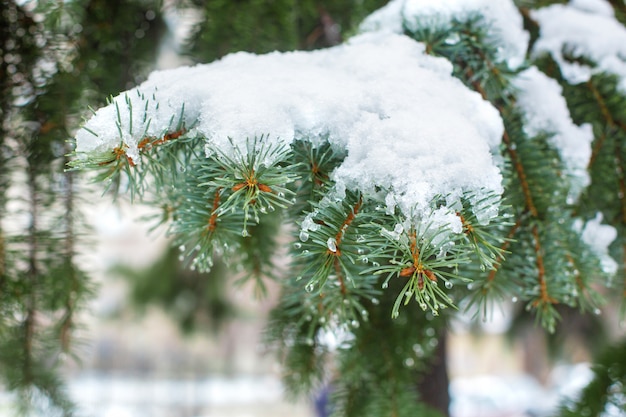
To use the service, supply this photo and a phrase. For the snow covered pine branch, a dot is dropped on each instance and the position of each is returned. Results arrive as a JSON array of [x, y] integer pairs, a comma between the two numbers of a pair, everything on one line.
[[425, 159], [413, 158]]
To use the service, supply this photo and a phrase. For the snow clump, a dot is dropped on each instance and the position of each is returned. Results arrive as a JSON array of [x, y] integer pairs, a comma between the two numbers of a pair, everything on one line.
[[506, 28], [407, 125], [583, 29], [545, 111]]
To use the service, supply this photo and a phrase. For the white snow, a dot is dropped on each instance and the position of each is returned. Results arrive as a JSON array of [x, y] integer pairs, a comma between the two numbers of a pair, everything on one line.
[[599, 237], [601, 7], [545, 111], [388, 18], [408, 126], [505, 23], [592, 33]]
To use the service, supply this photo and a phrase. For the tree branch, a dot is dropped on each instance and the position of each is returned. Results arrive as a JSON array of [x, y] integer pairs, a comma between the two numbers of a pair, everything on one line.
[[545, 297]]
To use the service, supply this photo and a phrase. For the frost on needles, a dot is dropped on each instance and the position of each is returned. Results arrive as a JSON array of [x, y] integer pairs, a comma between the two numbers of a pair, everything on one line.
[[412, 144]]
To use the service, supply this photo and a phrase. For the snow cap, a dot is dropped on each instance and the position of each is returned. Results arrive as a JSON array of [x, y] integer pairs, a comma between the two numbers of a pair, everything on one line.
[[506, 28], [409, 127], [582, 29]]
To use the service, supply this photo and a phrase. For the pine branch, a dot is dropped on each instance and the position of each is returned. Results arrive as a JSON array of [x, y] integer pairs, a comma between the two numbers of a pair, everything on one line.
[[476, 64], [314, 165], [256, 178], [425, 256], [362, 248]]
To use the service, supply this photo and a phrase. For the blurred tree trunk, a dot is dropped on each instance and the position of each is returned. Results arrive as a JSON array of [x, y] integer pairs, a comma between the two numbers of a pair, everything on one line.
[[433, 384]]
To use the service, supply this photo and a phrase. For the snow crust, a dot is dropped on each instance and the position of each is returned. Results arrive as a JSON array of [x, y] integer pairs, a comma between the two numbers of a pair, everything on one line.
[[545, 111], [409, 127], [505, 22], [583, 29]]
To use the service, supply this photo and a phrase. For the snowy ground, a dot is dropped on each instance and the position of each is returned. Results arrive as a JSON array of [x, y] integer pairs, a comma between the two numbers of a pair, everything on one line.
[[117, 395], [107, 395]]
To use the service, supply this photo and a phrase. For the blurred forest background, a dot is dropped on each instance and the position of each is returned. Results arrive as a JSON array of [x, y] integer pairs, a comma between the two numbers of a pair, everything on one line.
[[90, 296]]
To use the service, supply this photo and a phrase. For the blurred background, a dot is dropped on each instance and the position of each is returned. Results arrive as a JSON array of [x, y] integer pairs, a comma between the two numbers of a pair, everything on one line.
[[175, 353], [150, 337]]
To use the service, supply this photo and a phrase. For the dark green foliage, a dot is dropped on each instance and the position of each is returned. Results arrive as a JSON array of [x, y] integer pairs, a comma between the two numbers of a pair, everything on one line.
[[376, 348], [620, 10], [384, 349], [266, 25], [118, 43], [41, 285], [314, 167], [254, 26], [194, 299]]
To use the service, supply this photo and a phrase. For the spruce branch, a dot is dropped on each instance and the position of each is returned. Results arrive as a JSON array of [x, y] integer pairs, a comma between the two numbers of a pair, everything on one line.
[[137, 159], [426, 256], [532, 162], [256, 253], [197, 229], [485, 287], [485, 237], [323, 242], [256, 178], [314, 165], [331, 260]]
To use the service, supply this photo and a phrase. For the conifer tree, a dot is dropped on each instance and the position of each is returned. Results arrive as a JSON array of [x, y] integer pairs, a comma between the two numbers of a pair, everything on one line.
[[451, 155], [54, 57]]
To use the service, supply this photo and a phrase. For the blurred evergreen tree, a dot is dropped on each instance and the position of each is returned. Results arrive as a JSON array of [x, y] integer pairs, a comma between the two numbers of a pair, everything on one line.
[[195, 300], [56, 58], [606, 393], [262, 26]]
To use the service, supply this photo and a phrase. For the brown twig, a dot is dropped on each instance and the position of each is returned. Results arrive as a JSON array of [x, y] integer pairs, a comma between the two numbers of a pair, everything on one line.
[[212, 224], [504, 247], [545, 297], [519, 167], [338, 239], [346, 224]]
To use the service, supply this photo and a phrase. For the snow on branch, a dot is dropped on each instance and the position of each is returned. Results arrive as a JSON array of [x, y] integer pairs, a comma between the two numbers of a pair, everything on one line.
[[581, 31], [408, 127], [504, 21], [545, 111]]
